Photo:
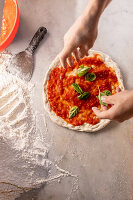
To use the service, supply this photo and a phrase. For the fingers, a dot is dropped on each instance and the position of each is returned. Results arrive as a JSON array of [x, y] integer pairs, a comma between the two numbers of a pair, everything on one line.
[[66, 55], [109, 99], [106, 114], [87, 50], [63, 58], [83, 51], [70, 60], [103, 108], [76, 55]]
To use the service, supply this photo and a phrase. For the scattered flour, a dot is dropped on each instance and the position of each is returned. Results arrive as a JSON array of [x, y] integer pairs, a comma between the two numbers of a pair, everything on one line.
[[24, 162]]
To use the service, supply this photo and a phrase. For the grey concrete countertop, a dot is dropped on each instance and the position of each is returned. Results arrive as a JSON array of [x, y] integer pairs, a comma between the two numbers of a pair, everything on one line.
[[103, 161]]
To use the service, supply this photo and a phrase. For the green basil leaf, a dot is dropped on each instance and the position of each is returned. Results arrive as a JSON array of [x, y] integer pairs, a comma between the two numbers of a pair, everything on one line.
[[85, 95], [82, 71], [107, 93], [81, 66], [100, 101], [73, 112], [90, 77], [104, 104], [77, 88], [99, 97], [102, 94]]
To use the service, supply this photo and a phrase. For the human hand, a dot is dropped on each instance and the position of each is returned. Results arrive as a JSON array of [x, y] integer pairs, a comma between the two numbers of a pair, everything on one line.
[[83, 33], [79, 39], [122, 106]]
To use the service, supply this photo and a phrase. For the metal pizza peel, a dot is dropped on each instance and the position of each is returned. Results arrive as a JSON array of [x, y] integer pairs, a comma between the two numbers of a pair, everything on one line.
[[21, 64]]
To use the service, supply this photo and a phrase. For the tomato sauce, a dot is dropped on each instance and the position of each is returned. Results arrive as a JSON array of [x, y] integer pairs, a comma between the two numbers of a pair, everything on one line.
[[62, 96], [9, 16]]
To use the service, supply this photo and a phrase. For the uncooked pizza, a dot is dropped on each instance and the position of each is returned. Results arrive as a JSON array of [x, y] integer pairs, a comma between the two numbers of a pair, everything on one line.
[[70, 93]]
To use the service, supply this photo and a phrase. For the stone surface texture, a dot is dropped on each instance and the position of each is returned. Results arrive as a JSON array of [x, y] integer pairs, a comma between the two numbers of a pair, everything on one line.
[[102, 161]]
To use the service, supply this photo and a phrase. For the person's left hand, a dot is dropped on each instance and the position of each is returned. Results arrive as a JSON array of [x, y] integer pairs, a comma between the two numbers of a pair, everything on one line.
[[122, 106]]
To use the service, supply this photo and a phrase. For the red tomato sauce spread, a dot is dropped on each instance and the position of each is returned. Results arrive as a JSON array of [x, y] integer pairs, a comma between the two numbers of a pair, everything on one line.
[[62, 96], [8, 19]]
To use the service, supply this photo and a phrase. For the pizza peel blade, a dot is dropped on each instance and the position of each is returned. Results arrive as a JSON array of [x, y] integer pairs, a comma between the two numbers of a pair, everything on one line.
[[21, 64]]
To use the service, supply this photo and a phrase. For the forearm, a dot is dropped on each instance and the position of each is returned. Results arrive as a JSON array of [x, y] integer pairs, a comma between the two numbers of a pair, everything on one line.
[[94, 9], [83, 33]]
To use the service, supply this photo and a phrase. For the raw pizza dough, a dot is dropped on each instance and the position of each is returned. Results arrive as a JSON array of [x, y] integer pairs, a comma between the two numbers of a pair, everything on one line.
[[85, 127]]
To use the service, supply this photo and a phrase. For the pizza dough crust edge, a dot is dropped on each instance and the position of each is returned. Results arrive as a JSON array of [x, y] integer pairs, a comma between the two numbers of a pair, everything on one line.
[[85, 127]]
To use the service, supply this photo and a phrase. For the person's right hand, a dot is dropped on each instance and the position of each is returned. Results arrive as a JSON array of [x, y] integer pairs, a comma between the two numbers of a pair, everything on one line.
[[79, 39], [122, 106]]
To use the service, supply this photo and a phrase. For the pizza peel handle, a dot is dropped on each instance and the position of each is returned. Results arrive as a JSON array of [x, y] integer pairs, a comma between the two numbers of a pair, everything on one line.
[[37, 38], [22, 63]]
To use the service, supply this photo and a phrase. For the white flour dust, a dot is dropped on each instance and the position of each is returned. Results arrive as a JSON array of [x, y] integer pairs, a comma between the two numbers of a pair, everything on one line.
[[24, 162]]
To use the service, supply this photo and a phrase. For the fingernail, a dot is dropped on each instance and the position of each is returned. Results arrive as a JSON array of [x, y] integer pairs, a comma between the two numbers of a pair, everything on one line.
[[102, 98]]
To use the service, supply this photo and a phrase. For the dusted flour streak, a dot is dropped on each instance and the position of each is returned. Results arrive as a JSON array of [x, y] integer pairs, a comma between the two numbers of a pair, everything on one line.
[[24, 162]]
